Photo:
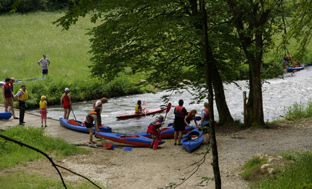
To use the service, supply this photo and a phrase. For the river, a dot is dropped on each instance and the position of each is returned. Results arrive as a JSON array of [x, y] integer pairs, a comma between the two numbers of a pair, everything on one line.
[[278, 95]]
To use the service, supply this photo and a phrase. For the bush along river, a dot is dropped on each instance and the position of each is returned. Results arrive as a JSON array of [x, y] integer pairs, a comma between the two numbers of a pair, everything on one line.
[[278, 95]]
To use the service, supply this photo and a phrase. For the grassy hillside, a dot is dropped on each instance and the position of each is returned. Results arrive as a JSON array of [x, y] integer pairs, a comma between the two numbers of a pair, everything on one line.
[[25, 38]]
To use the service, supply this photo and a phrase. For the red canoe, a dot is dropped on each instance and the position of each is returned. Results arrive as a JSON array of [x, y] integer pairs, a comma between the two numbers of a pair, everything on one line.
[[145, 112]]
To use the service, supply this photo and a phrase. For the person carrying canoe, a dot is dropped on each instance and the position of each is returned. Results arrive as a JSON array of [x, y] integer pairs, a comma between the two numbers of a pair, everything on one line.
[[138, 107], [90, 118], [98, 104], [153, 129], [191, 116], [205, 122], [179, 124]]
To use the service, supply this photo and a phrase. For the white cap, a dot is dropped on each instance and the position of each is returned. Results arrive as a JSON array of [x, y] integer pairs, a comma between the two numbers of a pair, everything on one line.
[[66, 89]]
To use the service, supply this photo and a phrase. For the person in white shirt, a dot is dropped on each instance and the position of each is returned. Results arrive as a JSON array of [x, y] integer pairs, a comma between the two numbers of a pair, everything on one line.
[[45, 63]]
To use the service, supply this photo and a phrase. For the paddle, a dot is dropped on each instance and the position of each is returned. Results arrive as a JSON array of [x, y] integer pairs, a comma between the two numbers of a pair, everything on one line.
[[157, 140], [73, 114]]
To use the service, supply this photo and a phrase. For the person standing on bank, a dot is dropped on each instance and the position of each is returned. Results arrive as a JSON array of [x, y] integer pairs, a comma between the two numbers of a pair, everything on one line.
[[8, 97], [205, 123], [179, 124], [22, 97], [98, 104], [45, 63], [43, 106], [12, 81], [67, 103]]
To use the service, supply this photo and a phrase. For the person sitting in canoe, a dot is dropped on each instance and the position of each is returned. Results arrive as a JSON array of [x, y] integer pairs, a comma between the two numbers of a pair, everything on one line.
[[90, 118], [154, 130], [138, 108], [190, 116], [296, 64]]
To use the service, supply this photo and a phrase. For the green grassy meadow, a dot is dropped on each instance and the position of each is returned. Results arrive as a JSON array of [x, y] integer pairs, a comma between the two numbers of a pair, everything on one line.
[[26, 37]]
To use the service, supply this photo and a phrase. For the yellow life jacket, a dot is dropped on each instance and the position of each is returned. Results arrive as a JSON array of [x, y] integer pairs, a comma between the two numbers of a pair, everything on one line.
[[137, 109], [42, 104], [23, 97]]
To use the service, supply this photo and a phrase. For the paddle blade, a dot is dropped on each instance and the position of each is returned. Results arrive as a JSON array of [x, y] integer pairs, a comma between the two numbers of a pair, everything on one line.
[[168, 107], [155, 144]]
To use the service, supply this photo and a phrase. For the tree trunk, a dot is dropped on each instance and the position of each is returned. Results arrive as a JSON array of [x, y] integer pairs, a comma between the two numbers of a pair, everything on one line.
[[225, 116], [208, 67]]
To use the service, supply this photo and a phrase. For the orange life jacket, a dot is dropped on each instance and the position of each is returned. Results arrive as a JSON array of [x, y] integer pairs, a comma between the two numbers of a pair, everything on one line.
[[89, 118]]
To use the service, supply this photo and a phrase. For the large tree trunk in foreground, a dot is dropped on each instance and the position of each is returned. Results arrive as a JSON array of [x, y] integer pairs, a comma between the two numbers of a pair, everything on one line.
[[208, 68]]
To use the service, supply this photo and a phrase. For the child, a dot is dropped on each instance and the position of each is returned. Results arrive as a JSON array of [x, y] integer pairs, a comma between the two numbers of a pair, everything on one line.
[[153, 129], [43, 110], [138, 108], [191, 116]]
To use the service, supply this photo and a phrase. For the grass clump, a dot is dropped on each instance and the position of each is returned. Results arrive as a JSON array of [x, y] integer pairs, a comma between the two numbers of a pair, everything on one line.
[[26, 180], [12, 153], [298, 110], [252, 166], [295, 175]]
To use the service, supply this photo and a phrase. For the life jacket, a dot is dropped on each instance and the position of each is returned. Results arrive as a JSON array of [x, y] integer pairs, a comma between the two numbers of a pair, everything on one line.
[[89, 118], [7, 91], [42, 104], [137, 108], [207, 114], [190, 116], [23, 97], [178, 112], [154, 122]]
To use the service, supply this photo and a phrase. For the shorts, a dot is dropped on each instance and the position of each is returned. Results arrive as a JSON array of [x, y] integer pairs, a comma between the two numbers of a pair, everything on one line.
[[179, 125], [44, 71], [88, 125], [43, 113]]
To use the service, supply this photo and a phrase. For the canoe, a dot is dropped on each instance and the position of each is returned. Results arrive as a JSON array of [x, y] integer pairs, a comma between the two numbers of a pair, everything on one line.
[[145, 112], [5, 115], [133, 139], [290, 69], [80, 127], [192, 140], [166, 132]]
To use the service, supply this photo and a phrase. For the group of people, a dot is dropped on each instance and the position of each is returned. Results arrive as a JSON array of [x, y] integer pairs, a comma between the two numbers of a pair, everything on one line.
[[287, 60], [181, 120], [8, 96]]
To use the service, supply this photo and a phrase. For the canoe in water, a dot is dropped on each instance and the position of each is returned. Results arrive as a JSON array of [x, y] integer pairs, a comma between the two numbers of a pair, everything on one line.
[[145, 112], [133, 139], [290, 69], [78, 126]]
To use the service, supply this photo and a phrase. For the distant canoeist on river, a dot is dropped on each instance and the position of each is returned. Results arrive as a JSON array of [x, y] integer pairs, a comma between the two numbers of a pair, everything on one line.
[[67, 103], [138, 107]]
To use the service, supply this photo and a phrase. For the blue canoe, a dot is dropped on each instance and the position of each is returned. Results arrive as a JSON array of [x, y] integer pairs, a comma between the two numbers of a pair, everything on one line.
[[80, 127], [192, 140], [290, 69], [166, 132], [5, 115], [134, 139]]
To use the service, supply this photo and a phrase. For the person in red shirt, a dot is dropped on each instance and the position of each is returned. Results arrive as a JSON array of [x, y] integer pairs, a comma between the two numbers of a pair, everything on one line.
[[66, 103]]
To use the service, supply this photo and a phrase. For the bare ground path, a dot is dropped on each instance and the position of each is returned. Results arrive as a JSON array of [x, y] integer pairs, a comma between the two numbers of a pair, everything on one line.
[[147, 168]]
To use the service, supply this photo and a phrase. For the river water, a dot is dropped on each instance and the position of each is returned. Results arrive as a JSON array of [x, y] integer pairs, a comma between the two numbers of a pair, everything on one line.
[[278, 95]]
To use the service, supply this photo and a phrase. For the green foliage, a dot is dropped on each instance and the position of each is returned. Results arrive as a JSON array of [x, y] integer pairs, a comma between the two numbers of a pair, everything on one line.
[[26, 6], [252, 165], [26, 180], [296, 175], [298, 110], [12, 153]]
